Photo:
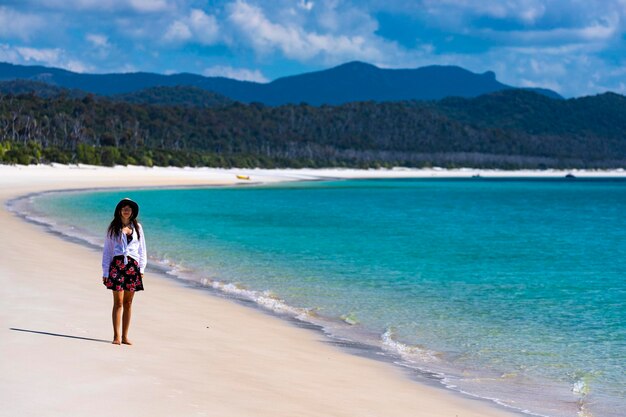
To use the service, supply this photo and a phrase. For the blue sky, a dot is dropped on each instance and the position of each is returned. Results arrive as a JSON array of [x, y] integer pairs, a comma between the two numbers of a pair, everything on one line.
[[574, 47]]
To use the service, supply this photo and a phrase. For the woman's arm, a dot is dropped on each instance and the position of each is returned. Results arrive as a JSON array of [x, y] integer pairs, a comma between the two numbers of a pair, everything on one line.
[[143, 255], [107, 255]]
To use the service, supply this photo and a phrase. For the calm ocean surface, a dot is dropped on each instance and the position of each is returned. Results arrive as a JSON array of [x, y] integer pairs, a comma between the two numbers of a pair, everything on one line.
[[512, 290]]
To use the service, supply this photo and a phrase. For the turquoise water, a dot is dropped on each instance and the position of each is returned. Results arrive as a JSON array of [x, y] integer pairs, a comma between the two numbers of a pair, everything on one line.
[[511, 290]]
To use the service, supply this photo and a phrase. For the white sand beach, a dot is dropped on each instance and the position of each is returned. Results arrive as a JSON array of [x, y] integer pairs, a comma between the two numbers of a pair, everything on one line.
[[194, 354]]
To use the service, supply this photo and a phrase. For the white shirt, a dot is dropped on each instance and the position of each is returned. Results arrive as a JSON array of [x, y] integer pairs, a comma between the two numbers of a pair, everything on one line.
[[116, 246]]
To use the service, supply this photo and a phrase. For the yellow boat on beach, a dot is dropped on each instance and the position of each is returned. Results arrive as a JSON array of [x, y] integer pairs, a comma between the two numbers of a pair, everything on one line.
[[243, 177]]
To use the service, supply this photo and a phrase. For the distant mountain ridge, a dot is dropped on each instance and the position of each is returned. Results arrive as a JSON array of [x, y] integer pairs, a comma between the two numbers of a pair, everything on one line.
[[160, 96], [350, 82]]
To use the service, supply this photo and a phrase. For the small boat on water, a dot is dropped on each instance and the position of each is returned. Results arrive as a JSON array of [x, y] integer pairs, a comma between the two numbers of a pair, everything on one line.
[[570, 175], [243, 177]]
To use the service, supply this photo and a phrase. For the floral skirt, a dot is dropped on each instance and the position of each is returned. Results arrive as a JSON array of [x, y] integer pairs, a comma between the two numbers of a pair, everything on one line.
[[123, 277]]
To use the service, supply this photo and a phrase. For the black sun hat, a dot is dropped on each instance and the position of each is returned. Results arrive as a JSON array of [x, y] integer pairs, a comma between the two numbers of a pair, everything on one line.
[[128, 202]]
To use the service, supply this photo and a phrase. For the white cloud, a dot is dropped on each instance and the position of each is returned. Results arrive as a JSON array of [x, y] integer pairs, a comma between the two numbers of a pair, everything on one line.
[[75, 66], [293, 41], [557, 50], [595, 32], [242, 74], [306, 5], [45, 55], [126, 68], [197, 26], [129, 28], [454, 13], [177, 32], [140, 6], [9, 54], [53, 57], [100, 41], [14, 24], [149, 5], [618, 72], [532, 14], [338, 18], [101, 48], [596, 19], [204, 26], [552, 85]]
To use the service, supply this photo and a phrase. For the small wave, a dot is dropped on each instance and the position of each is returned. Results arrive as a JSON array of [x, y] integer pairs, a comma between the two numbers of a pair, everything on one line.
[[410, 353], [350, 318], [265, 299], [581, 387], [176, 270]]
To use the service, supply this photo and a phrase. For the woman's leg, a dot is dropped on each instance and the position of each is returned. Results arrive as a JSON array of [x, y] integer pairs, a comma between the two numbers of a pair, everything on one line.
[[118, 297], [128, 303]]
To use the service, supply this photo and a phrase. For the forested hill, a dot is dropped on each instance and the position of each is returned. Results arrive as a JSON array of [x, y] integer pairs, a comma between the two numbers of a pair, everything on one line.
[[38, 88], [508, 129], [602, 115], [176, 96]]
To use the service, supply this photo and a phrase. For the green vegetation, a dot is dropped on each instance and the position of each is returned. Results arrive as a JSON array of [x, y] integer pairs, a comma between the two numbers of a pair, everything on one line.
[[38, 88], [175, 96], [510, 129]]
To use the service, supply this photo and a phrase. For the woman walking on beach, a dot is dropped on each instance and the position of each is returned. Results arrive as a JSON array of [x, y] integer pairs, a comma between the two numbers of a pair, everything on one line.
[[123, 262]]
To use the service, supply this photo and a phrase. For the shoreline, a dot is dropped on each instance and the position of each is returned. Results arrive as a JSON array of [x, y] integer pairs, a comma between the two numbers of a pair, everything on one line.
[[466, 406], [296, 174], [334, 331], [246, 298]]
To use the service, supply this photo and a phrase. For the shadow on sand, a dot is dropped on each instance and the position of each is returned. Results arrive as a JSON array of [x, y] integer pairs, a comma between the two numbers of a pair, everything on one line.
[[61, 335]]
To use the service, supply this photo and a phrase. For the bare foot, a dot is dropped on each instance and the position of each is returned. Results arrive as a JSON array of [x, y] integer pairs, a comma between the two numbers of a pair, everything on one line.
[[127, 342], [116, 341]]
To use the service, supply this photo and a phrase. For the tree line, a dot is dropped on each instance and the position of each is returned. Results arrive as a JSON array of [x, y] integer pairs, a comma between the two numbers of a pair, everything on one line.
[[509, 130]]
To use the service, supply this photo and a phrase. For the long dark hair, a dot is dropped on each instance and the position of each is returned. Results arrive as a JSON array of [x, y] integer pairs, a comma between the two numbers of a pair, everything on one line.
[[115, 228]]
